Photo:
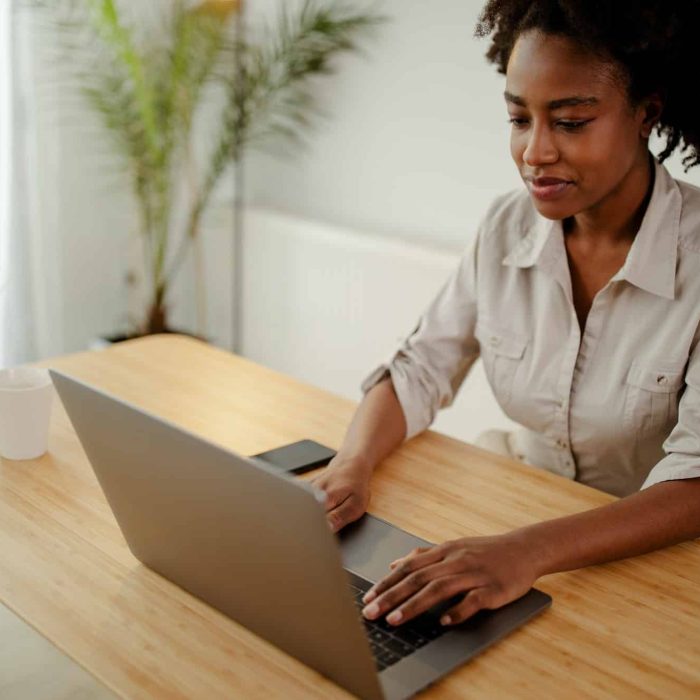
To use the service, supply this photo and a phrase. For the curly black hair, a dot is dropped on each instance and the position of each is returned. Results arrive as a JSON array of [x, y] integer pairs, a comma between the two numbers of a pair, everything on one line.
[[654, 43]]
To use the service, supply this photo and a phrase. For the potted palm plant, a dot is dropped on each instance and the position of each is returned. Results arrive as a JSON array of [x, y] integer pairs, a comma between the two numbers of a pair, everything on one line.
[[150, 90]]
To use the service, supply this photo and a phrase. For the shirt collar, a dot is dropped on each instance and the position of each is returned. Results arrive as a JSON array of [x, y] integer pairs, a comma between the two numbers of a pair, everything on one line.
[[532, 248], [651, 261]]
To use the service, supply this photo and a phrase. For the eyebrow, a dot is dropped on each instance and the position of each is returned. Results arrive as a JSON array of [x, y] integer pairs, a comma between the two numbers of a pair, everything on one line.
[[575, 101]]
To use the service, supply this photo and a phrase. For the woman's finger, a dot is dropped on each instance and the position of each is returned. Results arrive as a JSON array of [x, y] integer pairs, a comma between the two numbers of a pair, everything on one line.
[[417, 559], [477, 599], [334, 496], [344, 512], [404, 589], [402, 606], [417, 550]]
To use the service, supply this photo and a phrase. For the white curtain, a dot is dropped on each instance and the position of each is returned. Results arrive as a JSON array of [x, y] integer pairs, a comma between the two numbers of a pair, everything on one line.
[[6, 128], [30, 309]]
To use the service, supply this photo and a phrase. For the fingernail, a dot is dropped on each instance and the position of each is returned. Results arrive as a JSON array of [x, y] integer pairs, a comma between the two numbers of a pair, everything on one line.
[[395, 617], [369, 597], [445, 620], [371, 611]]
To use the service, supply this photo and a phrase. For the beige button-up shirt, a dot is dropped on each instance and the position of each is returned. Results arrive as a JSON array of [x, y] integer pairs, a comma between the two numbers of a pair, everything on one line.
[[616, 407]]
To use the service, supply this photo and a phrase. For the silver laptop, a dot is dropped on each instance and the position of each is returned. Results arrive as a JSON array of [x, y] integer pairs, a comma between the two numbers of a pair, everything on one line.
[[254, 544]]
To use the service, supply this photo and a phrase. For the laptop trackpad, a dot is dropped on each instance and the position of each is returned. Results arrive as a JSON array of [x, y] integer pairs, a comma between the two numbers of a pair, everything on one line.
[[369, 545]]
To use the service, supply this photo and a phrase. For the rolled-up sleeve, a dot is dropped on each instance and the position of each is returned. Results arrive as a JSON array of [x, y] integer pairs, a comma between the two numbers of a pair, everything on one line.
[[429, 367], [682, 447]]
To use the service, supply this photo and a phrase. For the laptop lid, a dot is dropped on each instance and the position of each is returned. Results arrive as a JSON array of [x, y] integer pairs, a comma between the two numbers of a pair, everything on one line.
[[248, 540]]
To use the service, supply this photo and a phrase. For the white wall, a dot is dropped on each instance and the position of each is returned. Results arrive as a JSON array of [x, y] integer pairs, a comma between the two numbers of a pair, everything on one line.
[[417, 142]]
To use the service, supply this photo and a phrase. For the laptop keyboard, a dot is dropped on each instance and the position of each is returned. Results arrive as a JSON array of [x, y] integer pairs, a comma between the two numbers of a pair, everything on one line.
[[389, 643]]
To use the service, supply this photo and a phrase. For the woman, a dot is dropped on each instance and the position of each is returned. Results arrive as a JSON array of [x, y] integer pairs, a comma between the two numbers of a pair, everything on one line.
[[582, 296]]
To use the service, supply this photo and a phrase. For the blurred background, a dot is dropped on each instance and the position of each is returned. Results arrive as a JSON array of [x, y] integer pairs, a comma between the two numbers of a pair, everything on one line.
[[289, 180]]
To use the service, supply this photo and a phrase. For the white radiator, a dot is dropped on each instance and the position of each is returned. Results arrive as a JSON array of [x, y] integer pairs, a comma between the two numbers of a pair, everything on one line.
[[326, 305]]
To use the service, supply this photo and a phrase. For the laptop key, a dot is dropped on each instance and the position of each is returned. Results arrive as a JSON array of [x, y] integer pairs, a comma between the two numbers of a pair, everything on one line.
[[379, 636], [376, 649], [429, 629], [397, 646], [382, 624], [388, 658], [410, 636]]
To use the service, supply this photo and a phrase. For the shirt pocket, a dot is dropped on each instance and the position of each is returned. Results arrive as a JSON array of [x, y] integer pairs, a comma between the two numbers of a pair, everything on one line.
[[651, 399], [501, 352]]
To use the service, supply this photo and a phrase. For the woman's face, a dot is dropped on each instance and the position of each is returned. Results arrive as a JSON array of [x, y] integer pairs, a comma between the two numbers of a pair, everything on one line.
[[575, 136]]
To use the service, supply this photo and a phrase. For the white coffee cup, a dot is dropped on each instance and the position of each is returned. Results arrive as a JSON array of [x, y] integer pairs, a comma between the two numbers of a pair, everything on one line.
[[25, 412]]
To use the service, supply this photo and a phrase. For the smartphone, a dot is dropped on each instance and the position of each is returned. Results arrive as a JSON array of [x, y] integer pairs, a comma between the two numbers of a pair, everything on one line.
[[298, 457]]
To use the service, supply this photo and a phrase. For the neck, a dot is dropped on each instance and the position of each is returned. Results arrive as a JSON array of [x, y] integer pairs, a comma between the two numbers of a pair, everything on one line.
[[619, 215]]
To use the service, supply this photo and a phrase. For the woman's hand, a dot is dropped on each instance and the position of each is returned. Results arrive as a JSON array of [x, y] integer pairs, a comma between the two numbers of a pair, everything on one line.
[[492, 571], [346, 483]]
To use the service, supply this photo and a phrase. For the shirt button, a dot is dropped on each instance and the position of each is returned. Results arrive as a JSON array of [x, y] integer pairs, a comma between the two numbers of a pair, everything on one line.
[[562, 444], [494, 341], [662, 379]]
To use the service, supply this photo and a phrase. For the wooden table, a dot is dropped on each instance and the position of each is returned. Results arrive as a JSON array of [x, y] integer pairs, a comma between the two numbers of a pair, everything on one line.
[[628, 629]]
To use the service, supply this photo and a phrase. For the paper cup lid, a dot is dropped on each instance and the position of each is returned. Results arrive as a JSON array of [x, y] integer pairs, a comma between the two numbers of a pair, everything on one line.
[[23, 378]]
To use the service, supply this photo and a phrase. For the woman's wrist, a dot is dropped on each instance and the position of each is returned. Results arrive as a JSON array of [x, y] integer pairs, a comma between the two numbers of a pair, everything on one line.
[[356, 463], [534, 544], [560, 544]]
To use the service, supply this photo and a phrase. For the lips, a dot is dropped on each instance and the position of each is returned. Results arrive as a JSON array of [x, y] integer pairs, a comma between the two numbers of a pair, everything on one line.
[[546, 181], [548, 188]]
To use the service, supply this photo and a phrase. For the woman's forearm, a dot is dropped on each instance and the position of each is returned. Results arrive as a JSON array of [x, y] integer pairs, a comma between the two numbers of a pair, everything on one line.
[[660, 516], [377, 428]]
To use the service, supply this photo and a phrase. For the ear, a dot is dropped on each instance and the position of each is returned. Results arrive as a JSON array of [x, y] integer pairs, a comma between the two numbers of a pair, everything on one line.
[[651, 107]]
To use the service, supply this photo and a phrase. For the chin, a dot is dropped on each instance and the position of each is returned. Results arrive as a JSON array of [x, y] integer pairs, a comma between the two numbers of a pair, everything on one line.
[[554, 210]]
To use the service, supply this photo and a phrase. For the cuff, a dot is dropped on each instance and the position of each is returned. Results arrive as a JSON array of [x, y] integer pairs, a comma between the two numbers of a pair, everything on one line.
[[415, 422], [671, 472]]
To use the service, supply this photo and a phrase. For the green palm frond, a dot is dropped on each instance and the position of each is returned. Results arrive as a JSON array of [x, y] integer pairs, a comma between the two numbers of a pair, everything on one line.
[[276, 86], [118, 40], [270, 98], [148, 88]]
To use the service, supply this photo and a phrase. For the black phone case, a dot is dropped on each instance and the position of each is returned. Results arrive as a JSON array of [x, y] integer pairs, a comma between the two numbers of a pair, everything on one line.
[[297, 457]]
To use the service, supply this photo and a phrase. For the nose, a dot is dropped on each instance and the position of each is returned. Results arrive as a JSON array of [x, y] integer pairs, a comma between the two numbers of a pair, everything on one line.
[[540, 148]]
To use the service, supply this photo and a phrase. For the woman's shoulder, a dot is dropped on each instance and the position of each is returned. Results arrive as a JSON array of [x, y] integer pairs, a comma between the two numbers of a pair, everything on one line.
[[689, 224], [690, 195]]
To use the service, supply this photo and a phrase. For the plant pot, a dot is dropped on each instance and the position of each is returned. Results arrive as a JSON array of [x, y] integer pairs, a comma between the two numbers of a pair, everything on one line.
[[102, 342]]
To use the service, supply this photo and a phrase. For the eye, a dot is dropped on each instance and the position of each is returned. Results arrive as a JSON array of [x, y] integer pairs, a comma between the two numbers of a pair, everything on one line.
[[518, 122], [570, 125], [573, 125]]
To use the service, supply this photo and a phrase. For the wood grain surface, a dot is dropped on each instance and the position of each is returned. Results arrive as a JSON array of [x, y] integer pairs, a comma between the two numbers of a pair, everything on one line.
[[630, 629]]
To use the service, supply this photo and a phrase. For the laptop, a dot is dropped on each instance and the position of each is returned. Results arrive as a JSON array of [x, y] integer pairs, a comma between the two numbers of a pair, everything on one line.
[[254, 543]]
